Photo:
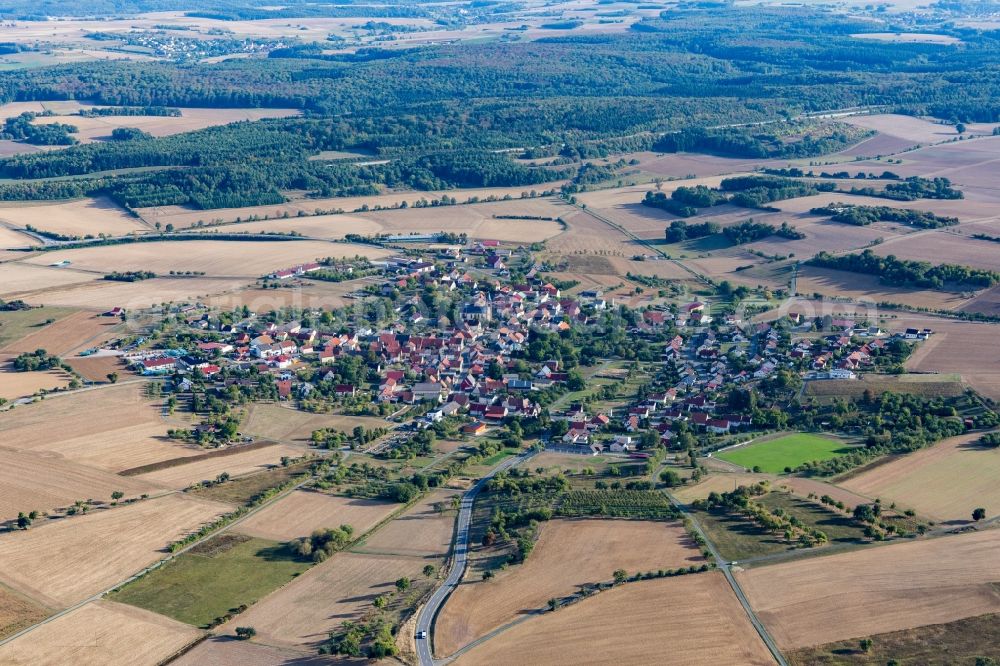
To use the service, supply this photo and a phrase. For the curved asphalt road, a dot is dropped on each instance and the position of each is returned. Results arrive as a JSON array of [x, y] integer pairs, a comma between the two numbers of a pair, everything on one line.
[[425, 621]]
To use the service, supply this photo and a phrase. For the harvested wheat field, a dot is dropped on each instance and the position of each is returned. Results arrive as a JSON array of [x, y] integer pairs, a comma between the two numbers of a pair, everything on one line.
[[876, 590], [422, 531], [102, 633], [230, 651], [80, 217], [718, 483], [105, 294], [14, 385], [831, 282], [99, 128], [34, 481], [18, 612], [64, 425], [944, 482], [303, 511], [939, 247], [273, 421], [596, 549], [693, 619], [320, 600], [969, 348], [78, 330], [15, 239], [218, 258], [20, 278], [67, 560], [247, 462], [301, 294], [912, 130], [182, 217]]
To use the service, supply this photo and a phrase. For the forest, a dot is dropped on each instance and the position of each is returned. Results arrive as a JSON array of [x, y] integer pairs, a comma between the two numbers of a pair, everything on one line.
[[906, 273], [862, 216], [438, 113]]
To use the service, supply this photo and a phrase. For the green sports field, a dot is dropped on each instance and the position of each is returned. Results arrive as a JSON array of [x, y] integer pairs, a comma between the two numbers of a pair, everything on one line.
[[773, 456]]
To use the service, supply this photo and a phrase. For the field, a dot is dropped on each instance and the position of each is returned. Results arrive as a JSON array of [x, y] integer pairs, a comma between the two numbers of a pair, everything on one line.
[[775, 455], [941, 247], [596, 547], [62, 562], [17, 612], [64, 426], [717, 483], [15, 385], [899, 586], [693, 619], [73, 218], [959, 642], [38, 482], [422, 531], [66, 334], [16, 325], [96, 368], [306, 294], [103, 294], [926, 385], [968, 348], [307, 609], [244, 259], [243, 488], [829, 282], [304, 511], [99, 128], [944, 482], [226, 651], [476, 220], [272, 421], [19, 278], [246, 462], [102, 633], [182, 217], [206, 582], [738, 539]]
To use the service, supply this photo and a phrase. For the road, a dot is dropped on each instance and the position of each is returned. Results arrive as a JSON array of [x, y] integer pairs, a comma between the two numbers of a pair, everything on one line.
[[425, 622], [724, 566]]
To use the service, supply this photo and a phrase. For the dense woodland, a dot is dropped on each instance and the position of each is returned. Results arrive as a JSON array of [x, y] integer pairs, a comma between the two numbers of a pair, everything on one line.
[[906, 273], [438, 112]]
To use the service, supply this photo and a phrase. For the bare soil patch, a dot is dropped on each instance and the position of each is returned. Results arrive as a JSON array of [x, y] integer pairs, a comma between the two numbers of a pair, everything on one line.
[[227, 651], [62, 562], [18, 612], [696, 617], [304, 511], [97, 368], [14, 385], [875, 590], [596, 549], [868, 287], [102, 633], [273, 421]]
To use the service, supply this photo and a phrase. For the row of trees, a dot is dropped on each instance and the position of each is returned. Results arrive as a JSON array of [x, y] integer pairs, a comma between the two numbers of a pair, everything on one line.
[[907, 273]]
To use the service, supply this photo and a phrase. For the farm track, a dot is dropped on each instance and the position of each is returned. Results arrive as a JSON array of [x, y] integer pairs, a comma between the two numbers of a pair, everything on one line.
[[772, 646]]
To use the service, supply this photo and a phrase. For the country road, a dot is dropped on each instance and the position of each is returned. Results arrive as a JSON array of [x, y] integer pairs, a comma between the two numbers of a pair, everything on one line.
[[724, 566], [428, 613]]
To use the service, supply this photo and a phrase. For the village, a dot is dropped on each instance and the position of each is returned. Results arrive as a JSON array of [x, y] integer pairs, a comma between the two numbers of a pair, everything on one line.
[[445, 331]]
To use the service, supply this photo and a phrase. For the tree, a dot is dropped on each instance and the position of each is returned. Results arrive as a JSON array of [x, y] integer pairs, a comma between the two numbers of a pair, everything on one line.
[[554, 603], [487, 575], [117, 495], [245, 633], [403, 584], [671, 478], [113, 377], [960, 128], [620, 576], [429, 570], [979, 514], [865, 644], [23, 521]]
